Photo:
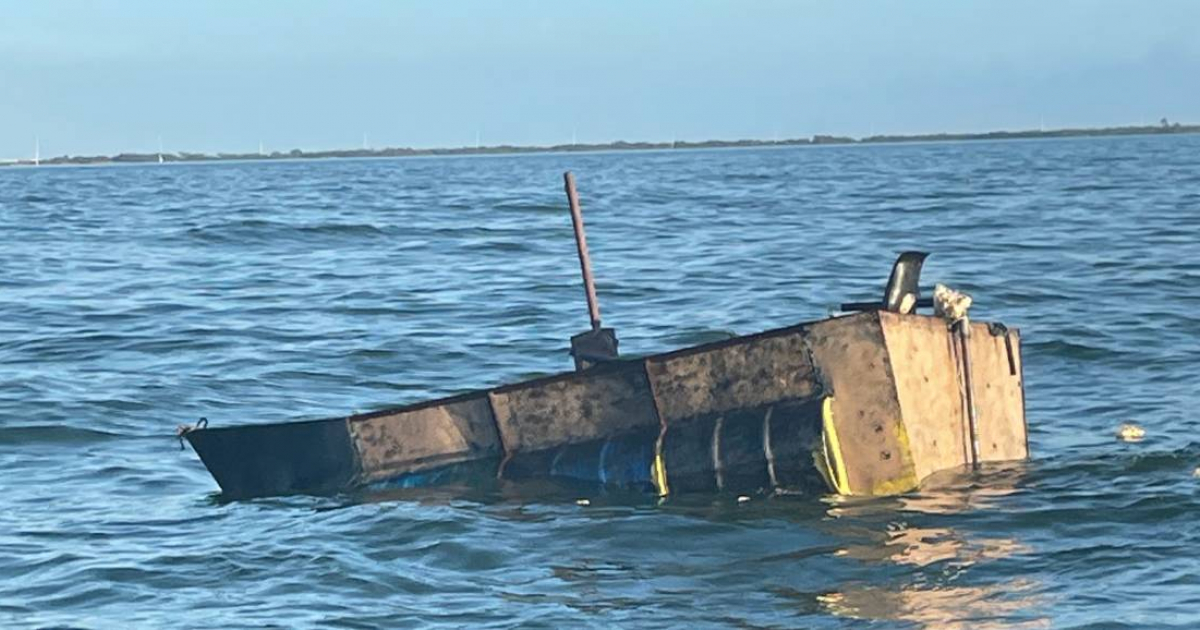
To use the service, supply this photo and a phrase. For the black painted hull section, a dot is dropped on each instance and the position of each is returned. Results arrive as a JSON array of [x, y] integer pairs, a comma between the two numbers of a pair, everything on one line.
[[276, 459]]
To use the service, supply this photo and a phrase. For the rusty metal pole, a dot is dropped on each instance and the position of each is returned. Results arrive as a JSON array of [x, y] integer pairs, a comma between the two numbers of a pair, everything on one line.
[[598, 344], [585, 262]]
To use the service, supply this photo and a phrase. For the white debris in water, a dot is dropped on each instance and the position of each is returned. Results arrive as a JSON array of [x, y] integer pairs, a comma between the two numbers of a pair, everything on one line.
[[743, 499], [582, 502], [950, 304], [1130, 432], [1196, 473]]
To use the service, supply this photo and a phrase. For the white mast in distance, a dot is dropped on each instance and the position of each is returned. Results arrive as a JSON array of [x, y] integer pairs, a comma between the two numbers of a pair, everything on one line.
[[37, 151]]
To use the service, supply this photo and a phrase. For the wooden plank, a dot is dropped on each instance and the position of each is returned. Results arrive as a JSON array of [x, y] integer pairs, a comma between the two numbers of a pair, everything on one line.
[[712, 380], [851, 356], [999, 395], [422, 438], [597, 403], [928, 384]]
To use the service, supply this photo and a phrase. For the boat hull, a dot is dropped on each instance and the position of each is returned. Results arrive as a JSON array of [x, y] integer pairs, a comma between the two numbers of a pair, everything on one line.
[[866, 404]]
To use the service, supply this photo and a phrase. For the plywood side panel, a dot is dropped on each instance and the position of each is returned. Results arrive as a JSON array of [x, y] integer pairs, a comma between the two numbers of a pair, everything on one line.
[[413, 440], [851, 356], [999, 395], [929, 389], [756, 372], [594, 404]]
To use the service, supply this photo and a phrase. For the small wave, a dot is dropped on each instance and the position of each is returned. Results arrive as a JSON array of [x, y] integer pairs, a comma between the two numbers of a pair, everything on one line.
[[1069, 350], [53, 434], [342, 228], [1091, 188], [532, 208], [699, 337], [1110, 465], [258, 229]]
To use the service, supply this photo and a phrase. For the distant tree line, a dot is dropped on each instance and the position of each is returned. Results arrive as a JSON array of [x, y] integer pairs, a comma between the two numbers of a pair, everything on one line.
[[1164, 126]]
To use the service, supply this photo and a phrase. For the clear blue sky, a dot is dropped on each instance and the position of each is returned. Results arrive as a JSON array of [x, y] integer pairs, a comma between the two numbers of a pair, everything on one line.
[[100, 76]]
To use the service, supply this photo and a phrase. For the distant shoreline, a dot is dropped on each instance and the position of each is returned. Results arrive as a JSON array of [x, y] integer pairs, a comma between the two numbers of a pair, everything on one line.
[[1164, 127]]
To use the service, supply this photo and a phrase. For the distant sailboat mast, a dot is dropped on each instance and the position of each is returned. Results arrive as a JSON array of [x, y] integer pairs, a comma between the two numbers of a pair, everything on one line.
[[160, 152], [37, 151]]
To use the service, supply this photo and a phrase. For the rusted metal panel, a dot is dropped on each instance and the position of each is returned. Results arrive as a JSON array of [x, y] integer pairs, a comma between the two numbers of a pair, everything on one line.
[[597, 403], [715, 379], [999, 395], [928, 383], [420, 438], [851, 355], [276, 459]]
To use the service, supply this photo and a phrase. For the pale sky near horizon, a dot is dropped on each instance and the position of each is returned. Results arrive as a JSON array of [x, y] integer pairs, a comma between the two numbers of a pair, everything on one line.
[[92, 77]]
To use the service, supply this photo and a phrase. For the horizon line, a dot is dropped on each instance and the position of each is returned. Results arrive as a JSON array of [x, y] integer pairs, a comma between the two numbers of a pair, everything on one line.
[[1163, 127]]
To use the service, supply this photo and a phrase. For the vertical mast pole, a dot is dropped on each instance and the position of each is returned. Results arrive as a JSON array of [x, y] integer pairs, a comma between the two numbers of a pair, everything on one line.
[[585, 261]]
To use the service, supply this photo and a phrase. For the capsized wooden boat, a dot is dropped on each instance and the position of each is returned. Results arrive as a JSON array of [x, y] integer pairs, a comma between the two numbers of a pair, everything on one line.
[[866, 404], [869, 403]]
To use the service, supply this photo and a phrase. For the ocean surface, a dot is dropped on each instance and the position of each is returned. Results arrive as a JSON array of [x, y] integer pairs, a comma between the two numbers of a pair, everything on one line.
[[137, 298]]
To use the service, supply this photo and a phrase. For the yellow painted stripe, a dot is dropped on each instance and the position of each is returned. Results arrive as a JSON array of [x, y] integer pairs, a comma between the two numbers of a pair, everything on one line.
[[658, 472], [908, 475], [833, 449]]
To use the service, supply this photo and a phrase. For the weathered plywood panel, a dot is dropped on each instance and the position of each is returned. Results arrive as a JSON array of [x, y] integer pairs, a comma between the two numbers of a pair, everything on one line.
[[417, 439], [751, 373], [999, 397], [851, 355], [929, 389], [597, 403]]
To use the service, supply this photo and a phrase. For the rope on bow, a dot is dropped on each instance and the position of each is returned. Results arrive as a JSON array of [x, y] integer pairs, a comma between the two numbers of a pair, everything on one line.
[[182, 430]]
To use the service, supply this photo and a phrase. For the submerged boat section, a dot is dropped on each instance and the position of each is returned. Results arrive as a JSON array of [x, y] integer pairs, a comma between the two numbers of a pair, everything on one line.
[[863, 404]]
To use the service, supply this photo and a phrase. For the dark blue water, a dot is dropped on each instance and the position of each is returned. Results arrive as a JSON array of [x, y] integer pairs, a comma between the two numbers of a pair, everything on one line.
[[133, 299]]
